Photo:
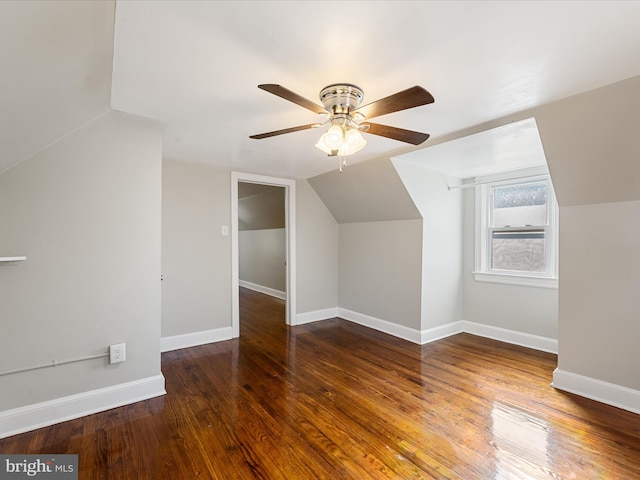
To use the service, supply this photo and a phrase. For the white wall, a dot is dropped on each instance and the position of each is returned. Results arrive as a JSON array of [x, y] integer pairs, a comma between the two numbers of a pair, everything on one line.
[[450, 292], [86, 213], [196, 257], [262, 238], [442, 260], [592, 149], [380, 235], [520, 308], [381, 270], [600, 286], [317, 244], [262, 257]]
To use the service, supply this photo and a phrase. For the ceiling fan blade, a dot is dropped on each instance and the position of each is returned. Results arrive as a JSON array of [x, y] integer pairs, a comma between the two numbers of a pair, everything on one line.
[[286, 130], [409, 98], [282, 92], [408, 136]]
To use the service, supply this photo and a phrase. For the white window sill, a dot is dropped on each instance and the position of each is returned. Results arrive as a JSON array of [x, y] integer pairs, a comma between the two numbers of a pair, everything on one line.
[[514, 279]]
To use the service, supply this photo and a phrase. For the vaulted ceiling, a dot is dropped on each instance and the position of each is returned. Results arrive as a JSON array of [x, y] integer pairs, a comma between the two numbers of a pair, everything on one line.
[[195, 67], [55, 64]]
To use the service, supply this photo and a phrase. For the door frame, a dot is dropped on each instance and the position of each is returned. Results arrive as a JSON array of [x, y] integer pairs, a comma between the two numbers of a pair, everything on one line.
[[290, 227]]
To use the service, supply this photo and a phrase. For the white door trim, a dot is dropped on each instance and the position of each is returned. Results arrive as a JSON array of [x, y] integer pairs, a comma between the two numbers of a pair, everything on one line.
[[290, 224]]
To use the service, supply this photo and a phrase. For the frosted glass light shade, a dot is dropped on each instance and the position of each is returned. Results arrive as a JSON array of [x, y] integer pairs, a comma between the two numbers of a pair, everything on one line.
[[336, 140], [333, 137], [322, 145], [353, 142]]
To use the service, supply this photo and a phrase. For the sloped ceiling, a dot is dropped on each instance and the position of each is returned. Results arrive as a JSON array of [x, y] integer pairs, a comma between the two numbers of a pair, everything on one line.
[[513, 146], [260, 207], [195, 67], [366, 192], [592, 146], [56, 59]]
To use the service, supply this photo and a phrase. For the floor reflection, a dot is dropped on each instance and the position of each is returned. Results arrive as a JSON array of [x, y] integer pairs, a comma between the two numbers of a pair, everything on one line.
[[337, 400], [521, 441]]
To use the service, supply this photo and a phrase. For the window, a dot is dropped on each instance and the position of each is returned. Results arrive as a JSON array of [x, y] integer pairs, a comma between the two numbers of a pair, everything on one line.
[[517, 232]]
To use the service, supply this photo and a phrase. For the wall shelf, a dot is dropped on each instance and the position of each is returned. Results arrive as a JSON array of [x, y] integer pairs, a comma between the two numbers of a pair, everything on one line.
[[11, 260]]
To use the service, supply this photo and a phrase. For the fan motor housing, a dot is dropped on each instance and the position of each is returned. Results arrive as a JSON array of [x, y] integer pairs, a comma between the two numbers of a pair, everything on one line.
[[341, 98]]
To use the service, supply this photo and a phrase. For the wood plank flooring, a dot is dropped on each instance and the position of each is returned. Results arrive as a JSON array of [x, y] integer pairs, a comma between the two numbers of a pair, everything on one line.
[[334, 400]]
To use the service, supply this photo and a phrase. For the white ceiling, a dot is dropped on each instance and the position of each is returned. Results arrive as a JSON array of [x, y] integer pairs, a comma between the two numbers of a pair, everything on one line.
[[510, 147], [195, 67]]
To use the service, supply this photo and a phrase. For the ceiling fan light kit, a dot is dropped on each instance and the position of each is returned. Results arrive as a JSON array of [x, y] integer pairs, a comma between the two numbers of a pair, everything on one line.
[[341, 102], [341, 141]]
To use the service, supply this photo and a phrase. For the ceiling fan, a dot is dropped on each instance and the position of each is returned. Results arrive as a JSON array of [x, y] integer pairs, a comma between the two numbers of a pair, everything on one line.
[[341, 104]]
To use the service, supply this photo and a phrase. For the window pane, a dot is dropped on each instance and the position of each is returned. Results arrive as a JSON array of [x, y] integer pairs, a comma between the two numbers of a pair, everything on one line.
[[520, 205], [521, 251]]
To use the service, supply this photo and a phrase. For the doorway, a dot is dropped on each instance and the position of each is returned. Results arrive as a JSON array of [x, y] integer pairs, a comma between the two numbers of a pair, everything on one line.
[[290, 258]]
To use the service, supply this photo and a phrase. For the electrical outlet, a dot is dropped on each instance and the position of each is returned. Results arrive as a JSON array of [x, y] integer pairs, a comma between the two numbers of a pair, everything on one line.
[[117, 353]]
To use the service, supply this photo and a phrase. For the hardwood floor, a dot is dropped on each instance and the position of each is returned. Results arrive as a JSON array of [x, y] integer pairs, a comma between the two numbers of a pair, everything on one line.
[[334, 400]]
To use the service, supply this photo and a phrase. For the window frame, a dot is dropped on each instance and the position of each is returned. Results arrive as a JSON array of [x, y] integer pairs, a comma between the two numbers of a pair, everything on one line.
[[484, 231]]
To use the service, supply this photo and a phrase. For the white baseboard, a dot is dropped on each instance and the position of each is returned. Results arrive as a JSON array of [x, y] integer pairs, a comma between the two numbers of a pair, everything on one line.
[[262, 289], [528, 340], [400, 331], [316, 315], [440, 332], [31, 417], [604, 392], [194, 339]]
